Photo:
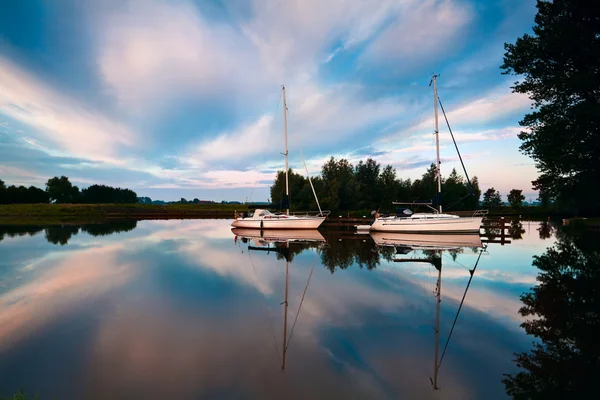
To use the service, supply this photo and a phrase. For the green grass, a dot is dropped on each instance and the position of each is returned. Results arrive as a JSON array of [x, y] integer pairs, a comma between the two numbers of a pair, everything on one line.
[[59, 213]]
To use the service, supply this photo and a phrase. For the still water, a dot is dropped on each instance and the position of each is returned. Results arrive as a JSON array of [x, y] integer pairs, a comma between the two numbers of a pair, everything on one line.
[[187, 309]]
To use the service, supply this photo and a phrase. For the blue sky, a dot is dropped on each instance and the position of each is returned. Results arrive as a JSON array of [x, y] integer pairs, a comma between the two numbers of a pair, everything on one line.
[[179, 98]]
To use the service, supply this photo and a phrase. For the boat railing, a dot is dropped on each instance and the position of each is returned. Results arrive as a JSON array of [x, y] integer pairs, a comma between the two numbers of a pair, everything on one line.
[[324, 213], [480, 213]]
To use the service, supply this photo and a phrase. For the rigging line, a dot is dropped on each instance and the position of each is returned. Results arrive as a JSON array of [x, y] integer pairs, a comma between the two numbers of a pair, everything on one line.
[[456, 146], [459, 308], [454, 261], [308, 173], [267, 307], [302, 300]]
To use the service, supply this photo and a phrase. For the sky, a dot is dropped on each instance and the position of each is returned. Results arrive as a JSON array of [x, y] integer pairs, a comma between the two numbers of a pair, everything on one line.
[[182, 98]]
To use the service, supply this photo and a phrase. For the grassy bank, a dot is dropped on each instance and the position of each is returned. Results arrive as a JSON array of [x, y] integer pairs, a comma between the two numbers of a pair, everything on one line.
[[56, 213]]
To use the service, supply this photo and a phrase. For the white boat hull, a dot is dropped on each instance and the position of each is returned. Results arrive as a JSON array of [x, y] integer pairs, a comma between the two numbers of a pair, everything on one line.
[[426, 225], [279, 223], [427, 240]]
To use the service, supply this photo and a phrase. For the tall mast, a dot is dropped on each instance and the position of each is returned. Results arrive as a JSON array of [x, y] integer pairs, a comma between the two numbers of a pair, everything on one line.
[[287, 184], [437, 142], [437, 323]]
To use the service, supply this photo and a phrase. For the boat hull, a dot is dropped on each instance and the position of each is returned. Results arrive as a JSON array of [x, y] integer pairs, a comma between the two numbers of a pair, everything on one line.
[[279, 223], [430, 225]]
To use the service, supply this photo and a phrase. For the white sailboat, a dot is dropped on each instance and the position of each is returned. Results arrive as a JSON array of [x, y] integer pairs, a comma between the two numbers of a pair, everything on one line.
[[436, 222], [264, 219]]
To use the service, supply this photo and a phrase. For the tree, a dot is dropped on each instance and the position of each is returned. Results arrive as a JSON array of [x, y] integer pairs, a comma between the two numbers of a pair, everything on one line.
[[455, 192], [340, 184], [516, 198], [426, 187], [366, 175], [560, 64], [298, 186], [60, 190], [492, 199], [473, 201], [98, 194], [389, 187], [2, 186]]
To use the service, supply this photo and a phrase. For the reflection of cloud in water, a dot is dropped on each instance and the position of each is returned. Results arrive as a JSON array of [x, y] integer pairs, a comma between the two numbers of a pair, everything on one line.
[[63, 284], [233, 357], [454, 280], [223, 341]]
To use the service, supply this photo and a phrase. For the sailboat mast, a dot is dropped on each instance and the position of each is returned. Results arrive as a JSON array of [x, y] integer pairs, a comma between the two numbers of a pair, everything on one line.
[[437, 325], [287, 282], [437, 142], [287, 184]]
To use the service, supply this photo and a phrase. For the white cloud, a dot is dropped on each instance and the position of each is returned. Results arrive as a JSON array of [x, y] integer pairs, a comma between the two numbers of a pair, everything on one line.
[[59, 120], [151, 52], [422, 30], [245, 142], [494, 105]]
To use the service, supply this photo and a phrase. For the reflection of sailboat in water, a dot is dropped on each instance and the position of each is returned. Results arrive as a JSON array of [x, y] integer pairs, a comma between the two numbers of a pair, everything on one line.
[[434, 251], [426, 241], [301, 240], [279, 235]]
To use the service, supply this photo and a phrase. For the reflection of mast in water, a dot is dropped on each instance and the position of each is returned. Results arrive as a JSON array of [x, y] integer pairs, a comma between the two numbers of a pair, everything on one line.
[[298, 238], [438, 295], [285, 302], [434, 246]]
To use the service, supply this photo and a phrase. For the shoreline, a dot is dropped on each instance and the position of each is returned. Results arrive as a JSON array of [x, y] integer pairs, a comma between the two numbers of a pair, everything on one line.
[[23, 214]]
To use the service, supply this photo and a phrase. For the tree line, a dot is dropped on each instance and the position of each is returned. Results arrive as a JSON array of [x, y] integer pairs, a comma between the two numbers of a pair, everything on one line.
[[60, 190], [342, 186]]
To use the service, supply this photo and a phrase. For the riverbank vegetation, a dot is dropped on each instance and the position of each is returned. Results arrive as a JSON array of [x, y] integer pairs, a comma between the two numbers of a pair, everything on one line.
[[350, 190]]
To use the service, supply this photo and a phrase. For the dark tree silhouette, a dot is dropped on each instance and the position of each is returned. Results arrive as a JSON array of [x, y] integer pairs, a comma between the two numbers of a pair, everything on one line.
[[563, 316], [22, 195], [492, 199], [559, 63], [61, 190], [342, 187], [97, 194], [515, 198]]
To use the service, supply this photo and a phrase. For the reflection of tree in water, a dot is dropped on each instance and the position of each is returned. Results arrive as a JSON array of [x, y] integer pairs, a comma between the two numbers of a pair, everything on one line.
[[564, 314], [18, 230], [60, 234], [516, 230], [546, 229], [109, 228], [342, 253]]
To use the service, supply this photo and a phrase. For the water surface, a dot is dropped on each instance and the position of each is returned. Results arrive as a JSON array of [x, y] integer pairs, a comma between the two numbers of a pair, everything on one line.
[[183, 309]]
